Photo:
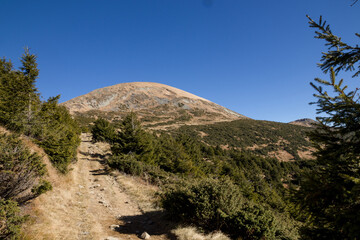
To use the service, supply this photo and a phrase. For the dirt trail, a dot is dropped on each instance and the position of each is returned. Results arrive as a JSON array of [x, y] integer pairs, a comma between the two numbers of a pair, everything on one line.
[[86, 202]]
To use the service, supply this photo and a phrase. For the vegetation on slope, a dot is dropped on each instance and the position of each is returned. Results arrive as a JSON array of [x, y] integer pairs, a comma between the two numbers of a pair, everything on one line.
[[22, 111], [185, 167], [21, 175], [46, 123], [260, 137]]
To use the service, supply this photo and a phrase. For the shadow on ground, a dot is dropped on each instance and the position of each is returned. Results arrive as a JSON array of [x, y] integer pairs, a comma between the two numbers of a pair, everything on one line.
[[94, 155], [154, 223], [101, 171]]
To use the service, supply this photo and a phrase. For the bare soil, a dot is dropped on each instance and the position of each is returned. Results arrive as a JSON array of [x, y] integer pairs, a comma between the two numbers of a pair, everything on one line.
[[89, 202]]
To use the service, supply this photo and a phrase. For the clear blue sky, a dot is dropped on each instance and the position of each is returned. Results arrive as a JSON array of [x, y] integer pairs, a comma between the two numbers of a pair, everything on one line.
[[254, 57]]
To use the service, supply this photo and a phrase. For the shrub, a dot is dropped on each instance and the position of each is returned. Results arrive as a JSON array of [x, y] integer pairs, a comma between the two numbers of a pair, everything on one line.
[[126, 163], [42, 187], [102, 131], [57, 133], [207, 202], [19, 168], [219, 205], [10, 219]]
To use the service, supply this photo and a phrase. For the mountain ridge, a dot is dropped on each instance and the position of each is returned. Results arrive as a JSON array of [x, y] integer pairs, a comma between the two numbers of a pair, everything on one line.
[[305, 122], [153, 102]]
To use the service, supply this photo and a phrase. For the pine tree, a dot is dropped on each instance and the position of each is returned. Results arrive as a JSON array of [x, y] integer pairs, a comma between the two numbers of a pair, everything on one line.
[[133, 140], [57, 133], [331, 191], [19, 98], [103, 131], [29, 91]]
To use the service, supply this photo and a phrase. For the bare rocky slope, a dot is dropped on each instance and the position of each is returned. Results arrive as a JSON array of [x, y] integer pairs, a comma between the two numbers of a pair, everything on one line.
[[305, 122], [156, 104]]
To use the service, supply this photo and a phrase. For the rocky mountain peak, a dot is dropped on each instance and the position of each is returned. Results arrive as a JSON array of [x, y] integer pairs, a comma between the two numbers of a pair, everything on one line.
[[154, 102]]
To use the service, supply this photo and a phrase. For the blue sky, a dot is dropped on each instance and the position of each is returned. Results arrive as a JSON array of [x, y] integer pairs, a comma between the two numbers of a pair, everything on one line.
[[254, 57]]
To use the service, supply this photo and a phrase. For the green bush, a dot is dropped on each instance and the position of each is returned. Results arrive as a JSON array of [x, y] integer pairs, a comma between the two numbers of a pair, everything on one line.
[[219, 205], [57, 133], [10, 220], [207, 203], [19, 168], [103, 131], [130, 165], [126, 163], [42, 187]]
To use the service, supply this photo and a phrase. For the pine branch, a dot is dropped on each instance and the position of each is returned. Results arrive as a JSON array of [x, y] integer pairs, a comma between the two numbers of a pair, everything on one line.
[[340, 56], [355, 1]]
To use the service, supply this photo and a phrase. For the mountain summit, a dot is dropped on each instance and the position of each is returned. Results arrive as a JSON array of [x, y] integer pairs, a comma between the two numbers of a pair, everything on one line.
[[305, 122], [155, 103]]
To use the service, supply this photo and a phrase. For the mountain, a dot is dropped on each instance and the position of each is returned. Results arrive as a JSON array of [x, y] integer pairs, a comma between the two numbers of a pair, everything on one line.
[[305, 122], [161, 107], [156, 104]]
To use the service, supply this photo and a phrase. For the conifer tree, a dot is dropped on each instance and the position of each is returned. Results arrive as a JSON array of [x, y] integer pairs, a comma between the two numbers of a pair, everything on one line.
[[103, 131], [22, 111], [132, 139], [19, 97], [331, 191], [30, 92]]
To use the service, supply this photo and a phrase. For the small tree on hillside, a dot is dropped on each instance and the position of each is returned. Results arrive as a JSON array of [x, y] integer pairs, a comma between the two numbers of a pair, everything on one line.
[[19, 98], [331, 191], [103, 131], [132, 139]]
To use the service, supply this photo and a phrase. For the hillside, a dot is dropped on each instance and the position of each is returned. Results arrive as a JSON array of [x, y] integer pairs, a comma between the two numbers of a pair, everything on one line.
[[283, 141], [164, 108], [156, 104]]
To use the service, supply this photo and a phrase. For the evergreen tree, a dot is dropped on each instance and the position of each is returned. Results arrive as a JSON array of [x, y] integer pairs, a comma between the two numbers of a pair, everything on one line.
[[331, 191], [22, 111], [103, 131], [57, 133], [19, 98], [29, 92], [133, 140]]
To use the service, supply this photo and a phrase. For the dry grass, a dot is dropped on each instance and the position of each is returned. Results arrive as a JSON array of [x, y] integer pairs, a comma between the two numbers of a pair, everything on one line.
[[140, 191], [191, 233], [307, 154], [282, 156]]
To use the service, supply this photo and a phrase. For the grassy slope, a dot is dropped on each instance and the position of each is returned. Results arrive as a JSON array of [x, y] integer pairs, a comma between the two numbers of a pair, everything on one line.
[[261, 137]]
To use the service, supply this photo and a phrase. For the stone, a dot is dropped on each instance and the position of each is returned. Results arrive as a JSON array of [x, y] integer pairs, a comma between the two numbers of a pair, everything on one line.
[[112, 238], [104, 203], [145, 235], [114, 227]]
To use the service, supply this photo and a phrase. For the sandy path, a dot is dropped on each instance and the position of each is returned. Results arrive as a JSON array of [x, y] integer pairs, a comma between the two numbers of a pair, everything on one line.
[[87, 201]]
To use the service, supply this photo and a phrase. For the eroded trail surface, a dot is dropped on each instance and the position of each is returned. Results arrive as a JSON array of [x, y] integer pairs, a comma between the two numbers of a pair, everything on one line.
[[90, 203]]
